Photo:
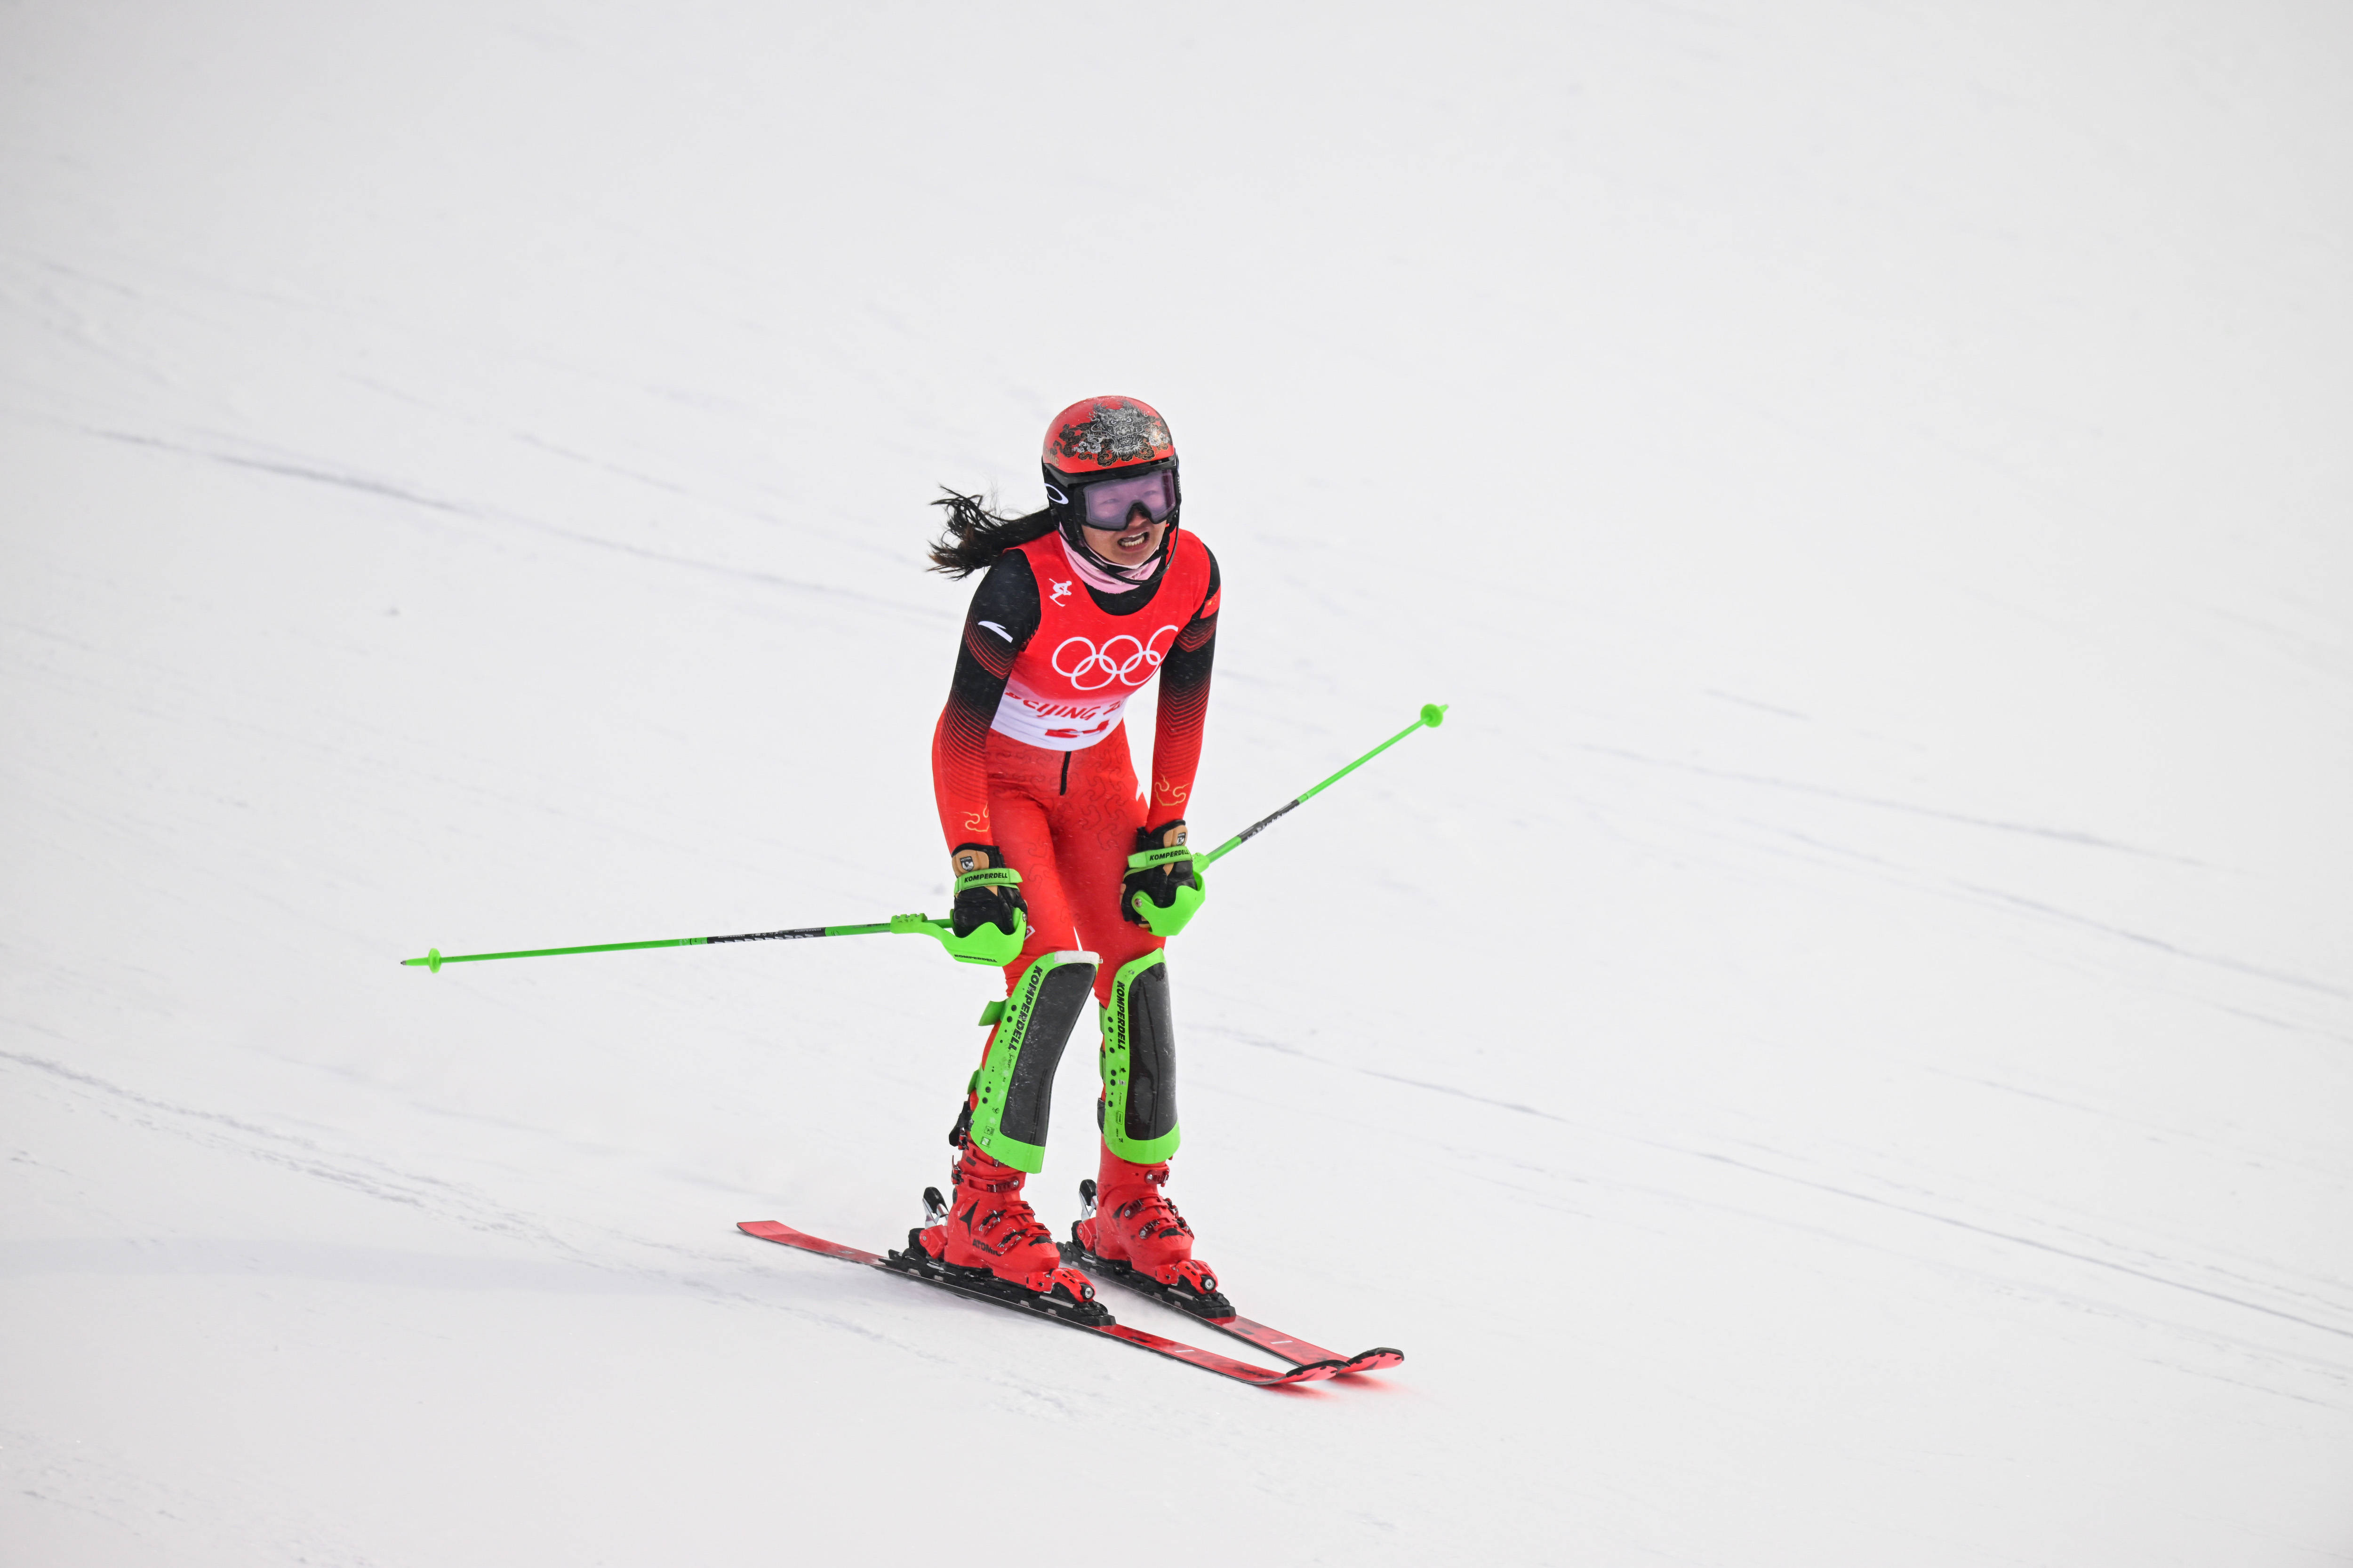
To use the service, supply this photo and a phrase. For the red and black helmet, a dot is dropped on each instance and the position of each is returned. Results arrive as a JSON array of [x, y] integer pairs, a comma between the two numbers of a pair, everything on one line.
[[1105, 456]]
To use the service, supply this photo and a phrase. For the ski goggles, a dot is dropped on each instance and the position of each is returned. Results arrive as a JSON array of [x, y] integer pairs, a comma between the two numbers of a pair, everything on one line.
[[1109, 502]]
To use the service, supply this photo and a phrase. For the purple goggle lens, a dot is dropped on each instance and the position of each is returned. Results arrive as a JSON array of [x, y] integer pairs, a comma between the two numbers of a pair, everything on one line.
[[1108, 503]]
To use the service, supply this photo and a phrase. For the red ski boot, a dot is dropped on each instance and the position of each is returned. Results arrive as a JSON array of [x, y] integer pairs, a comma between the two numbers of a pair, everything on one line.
[[988, 1227], [1134, 1235]]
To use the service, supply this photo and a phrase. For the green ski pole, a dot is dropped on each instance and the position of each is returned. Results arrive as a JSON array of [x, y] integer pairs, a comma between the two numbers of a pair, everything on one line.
[[1432, 715], [988, 944]]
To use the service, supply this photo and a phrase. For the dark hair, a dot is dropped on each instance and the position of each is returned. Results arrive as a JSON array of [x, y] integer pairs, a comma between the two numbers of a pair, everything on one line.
[[976, 534]]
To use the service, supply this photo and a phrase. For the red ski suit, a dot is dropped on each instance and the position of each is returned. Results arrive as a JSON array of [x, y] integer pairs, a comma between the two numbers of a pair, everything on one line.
[[1030, 752]]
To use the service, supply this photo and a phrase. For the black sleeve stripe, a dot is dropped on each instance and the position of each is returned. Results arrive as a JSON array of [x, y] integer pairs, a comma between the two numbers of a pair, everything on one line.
[[1006, 603]]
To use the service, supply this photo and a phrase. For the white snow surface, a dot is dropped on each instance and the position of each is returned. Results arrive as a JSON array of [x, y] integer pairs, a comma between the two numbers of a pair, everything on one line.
[[1839, 1052]]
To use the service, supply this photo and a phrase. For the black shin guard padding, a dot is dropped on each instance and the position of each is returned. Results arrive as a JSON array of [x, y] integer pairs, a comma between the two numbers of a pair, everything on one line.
[[1151, 1057], [1030, 1098]]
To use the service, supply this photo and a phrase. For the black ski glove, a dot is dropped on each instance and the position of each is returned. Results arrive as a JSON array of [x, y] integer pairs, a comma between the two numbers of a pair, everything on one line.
[[1161, 873], [987, 890]]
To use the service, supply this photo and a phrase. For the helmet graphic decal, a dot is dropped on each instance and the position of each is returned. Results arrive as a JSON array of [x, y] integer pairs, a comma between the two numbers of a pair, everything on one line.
[[1107, 433]]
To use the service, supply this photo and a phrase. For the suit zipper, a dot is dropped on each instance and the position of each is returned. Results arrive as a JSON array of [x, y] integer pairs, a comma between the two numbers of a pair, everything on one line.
[[1066, 775]]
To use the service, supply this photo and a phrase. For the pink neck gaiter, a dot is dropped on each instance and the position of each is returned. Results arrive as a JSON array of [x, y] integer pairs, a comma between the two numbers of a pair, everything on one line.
[[1102, 577]]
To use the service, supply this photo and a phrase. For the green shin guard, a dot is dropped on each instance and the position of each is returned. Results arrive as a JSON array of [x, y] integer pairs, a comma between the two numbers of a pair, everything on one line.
[[1139, 1064], [1016, 1084]]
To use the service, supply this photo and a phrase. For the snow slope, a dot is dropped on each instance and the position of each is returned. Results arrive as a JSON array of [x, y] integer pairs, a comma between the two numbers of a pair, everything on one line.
[[1839, 1053]]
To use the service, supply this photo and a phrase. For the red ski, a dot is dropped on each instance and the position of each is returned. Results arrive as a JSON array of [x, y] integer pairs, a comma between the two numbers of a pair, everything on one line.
[[914, 1263], [1219, 1313]]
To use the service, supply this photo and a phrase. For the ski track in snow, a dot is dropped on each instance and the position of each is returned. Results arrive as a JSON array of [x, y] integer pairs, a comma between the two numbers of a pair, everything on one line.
[[1835, 1053], [2081, 1245]]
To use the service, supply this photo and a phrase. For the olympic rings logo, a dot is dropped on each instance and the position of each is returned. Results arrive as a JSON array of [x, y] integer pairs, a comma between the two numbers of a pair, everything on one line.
[[1123, 659]]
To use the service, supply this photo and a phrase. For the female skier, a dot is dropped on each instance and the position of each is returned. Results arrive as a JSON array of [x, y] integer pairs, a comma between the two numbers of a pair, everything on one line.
[[1084, 603]]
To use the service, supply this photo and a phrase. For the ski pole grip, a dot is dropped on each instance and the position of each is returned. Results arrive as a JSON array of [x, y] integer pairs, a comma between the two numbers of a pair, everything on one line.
[[989, 943]]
